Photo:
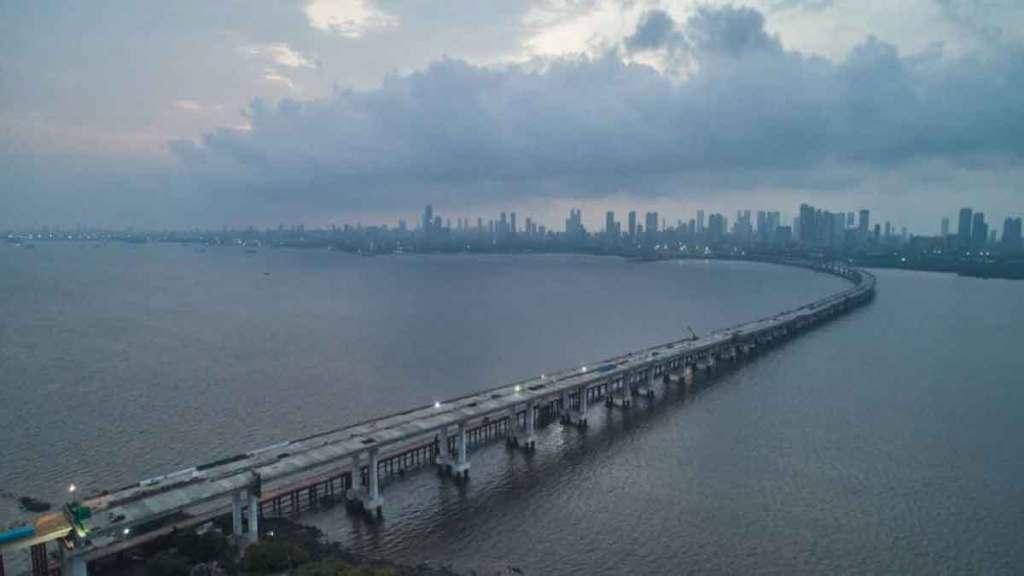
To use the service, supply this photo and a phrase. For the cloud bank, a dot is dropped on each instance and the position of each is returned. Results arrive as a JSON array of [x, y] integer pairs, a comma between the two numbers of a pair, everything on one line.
[[594, 124]]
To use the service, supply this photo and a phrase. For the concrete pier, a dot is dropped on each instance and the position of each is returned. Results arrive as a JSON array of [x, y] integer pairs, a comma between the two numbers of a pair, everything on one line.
[[512, 437], [236, 515], [530, 439], [461, 467], [374, 502], [441, 456], [70, 565], [254, 517]]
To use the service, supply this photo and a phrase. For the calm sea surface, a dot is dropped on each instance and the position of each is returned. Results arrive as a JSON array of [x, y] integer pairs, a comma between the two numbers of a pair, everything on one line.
[[889, 441]]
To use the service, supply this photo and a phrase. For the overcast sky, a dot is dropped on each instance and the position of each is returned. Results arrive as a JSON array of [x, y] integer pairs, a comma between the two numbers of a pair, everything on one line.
[[210, 113]]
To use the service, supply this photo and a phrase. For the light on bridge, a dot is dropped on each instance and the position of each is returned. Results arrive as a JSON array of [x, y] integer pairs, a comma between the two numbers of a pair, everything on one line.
[[437, 404]]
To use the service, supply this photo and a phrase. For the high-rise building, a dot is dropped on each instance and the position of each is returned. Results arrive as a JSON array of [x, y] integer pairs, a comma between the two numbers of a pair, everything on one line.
[[512, 224], [632, 224], [864, 224], [700, 221], [428, 219], [574, 224], [651, 227], [1012, 234], [979, 230], [774, 223], [808, 225], [742, 228], [716, 227], [610, 227], [944, 230], [963, 232]]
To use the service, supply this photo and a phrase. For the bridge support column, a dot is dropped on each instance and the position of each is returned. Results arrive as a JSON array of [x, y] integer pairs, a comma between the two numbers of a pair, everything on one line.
[[512, 440], [441, 456], [627, 390], [530, 440], [236, 514], [579, 416], [355, 493], [461, 468], [374, 502], [564, 412], [70, 565], [646, 388], [254, 517]]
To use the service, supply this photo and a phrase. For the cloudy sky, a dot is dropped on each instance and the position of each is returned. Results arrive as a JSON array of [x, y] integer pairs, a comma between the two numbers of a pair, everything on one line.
[[200, 113]]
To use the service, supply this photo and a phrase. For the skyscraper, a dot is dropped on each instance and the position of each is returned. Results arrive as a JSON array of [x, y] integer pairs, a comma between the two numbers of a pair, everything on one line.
[[1012, 234], [716, 227], [574, 224], [963, 232], [808, 225], [428, 219], [609, 224], [651, 226], [632, 224], [979, 230], [700, 221]]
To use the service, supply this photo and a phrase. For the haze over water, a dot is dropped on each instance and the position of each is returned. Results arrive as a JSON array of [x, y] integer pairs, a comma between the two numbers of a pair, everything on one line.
[[887, 441]]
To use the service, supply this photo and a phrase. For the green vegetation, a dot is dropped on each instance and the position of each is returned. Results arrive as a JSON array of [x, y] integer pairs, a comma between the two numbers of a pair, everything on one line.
[[169, 563], [272, 556], [285, 548], [187, 549]]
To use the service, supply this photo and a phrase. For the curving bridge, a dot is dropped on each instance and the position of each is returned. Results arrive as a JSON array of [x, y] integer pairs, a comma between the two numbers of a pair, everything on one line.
[[353, 462]]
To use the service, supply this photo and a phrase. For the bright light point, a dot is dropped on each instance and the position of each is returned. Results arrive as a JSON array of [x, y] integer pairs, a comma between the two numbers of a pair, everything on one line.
[[583, 369], [519, 388], [127, 531], [437, 404], [72, 488]]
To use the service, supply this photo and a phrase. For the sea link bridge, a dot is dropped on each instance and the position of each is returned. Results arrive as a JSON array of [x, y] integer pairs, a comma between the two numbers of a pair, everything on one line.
[[352, 462]]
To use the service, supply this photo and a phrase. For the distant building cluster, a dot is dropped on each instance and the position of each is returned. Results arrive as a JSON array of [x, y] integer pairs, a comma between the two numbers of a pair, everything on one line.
[[812, 231], [811, 228]]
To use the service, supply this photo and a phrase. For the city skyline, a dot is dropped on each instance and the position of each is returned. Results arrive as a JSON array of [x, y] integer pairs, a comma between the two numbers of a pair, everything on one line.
[[750, 222]]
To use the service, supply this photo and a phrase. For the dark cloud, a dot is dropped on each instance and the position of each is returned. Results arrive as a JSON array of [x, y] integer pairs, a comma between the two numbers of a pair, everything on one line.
[[749, 107], [655, 30], [731, 31]]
